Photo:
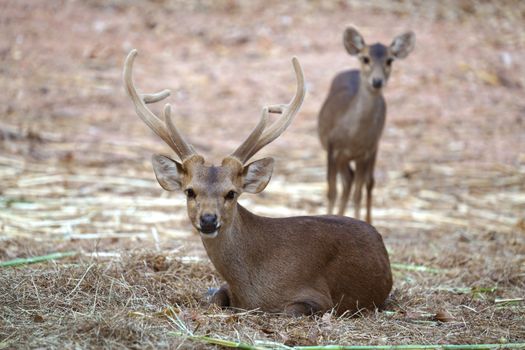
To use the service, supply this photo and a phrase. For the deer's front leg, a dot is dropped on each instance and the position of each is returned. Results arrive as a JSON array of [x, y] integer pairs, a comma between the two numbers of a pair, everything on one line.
[[221, 296]]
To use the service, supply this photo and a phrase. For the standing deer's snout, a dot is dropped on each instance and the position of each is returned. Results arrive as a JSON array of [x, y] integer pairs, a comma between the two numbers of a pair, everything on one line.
[[208, 223], [377, 83]]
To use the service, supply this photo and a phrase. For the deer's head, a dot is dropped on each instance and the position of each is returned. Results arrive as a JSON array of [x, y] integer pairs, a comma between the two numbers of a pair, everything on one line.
[[212, 191], [376, 60]]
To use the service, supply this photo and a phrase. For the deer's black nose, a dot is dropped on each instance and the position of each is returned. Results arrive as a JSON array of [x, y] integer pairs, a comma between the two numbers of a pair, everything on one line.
[[377, 83], [208, 223]]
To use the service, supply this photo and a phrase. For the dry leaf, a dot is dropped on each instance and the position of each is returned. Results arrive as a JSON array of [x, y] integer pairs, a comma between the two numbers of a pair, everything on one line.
[[170, 312], [37, 318], [521, 224], [443, 316], [488, 77], [267, 331]]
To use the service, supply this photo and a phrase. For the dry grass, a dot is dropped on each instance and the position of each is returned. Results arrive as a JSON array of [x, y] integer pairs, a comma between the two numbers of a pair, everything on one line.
[[75, 175], [133, 300]]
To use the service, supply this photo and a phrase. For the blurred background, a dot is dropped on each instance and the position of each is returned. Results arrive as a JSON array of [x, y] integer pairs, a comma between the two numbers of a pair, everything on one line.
[[75, 159], [75, 172]]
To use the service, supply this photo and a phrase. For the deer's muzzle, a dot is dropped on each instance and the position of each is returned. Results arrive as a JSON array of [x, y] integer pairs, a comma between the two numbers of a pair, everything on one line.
[[209, 223]]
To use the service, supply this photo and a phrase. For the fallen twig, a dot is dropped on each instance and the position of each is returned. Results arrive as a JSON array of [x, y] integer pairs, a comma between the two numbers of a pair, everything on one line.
[[509, 301]]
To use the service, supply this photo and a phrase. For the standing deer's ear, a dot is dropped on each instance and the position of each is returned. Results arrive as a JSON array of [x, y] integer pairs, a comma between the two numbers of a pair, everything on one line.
[[403, 44], [353, 41], [256, 175], [168, 172]]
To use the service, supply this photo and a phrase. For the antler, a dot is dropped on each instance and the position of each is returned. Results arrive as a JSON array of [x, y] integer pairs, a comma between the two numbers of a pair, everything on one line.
[[170, 135], [257, 138]]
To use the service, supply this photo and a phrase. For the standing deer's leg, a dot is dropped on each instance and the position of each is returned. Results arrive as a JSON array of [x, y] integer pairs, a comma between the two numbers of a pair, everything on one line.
[[345, 169], [369, 186], [332, 179], [370, 181], [360, 173]]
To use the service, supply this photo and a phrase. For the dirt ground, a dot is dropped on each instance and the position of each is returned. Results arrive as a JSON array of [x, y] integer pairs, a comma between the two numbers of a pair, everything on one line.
[[75, 172]]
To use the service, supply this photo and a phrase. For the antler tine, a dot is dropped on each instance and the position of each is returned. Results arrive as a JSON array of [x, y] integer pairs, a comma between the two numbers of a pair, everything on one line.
[[176, 142], [242, 152], [288, 112], [156, 97], [184, 148]]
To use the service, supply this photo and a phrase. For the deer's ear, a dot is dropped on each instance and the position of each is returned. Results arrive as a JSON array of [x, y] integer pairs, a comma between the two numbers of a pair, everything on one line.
[[169, 173], [403, 44], [353, 41], [256, 175]]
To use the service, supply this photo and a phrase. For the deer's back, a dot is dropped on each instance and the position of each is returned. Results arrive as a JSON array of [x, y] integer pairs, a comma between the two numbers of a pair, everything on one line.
[[337, 255]]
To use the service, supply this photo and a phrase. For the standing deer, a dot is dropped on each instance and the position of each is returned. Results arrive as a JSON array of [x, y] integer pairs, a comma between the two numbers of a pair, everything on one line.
[[297, 265], [353, 115]]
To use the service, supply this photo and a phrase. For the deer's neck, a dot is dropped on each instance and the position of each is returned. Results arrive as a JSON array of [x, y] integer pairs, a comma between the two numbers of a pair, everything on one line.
[[237, 250], [365, 100], [363, 120]]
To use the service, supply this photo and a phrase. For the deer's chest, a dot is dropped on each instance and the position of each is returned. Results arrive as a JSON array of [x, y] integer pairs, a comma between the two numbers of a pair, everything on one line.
[[360, 129]]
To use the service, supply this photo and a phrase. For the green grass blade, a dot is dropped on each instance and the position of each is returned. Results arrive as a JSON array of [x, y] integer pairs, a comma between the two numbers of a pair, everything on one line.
[[416, 347], [217, 341], [35, 259], [233, 344], [419, 268], [509, 301]]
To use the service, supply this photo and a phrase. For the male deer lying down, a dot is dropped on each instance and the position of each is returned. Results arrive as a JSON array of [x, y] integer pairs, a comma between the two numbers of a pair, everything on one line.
[[298, 265], [353, 115]]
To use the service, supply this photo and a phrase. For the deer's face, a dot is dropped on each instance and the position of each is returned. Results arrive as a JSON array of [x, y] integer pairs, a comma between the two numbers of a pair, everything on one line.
[[376, 60], [212, 191], [376, 64]]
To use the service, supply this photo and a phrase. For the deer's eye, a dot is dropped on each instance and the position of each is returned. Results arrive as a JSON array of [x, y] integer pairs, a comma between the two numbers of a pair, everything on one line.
[[366, 60], [190, 193], [230, 195], [389, 61]]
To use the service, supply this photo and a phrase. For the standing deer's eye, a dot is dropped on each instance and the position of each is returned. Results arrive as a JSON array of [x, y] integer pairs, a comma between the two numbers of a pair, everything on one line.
[[366, 60], [230, 195], [389, 61], [190, 193]]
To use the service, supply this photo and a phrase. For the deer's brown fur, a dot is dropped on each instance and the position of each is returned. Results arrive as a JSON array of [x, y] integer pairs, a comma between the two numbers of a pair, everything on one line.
[[352, 118], [297, 265]]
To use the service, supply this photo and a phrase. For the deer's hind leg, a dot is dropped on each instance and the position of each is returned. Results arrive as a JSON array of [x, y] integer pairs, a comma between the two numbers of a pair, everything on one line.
[[309, 303], [303, 308], [347, 177], [370, 181], [331, 174], [360, 177]]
